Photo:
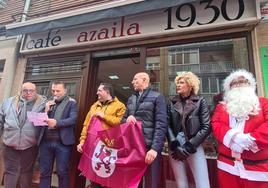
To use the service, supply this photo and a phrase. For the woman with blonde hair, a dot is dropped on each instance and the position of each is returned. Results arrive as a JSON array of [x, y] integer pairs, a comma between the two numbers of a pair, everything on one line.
[[189, 125]]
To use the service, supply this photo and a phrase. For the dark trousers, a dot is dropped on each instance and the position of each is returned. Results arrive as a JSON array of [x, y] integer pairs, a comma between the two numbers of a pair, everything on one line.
[[18, 166], [48, 152], [151, 178]]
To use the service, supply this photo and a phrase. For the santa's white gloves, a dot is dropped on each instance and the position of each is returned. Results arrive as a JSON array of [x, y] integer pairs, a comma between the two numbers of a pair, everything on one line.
[[243, 142], [236, 148]]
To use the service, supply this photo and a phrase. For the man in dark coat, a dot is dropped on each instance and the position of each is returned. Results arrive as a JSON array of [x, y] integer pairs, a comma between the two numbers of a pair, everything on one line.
[[57, 138], [149, 107]]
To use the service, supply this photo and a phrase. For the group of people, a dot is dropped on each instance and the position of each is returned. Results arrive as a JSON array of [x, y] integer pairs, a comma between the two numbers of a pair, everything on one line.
[[239, 123]]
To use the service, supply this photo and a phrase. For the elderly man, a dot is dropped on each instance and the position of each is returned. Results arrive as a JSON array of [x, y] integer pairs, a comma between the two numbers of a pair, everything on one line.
[[56, 140], [108, 109], [149, 107], [20, 136], [240, 124]]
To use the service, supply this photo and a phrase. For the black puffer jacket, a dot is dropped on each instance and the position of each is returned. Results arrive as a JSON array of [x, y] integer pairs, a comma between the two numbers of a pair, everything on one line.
[[194, 116], [151, 111]]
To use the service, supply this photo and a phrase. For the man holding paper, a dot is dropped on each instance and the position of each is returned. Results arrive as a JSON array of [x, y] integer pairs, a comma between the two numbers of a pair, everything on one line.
[[20, 136], [56, 139]]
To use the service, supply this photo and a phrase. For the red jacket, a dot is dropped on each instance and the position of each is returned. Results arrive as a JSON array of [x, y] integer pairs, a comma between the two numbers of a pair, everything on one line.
[[257, 126]]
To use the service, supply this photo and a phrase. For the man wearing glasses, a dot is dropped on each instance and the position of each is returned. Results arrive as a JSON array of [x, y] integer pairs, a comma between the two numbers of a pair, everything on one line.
[[240, 125], [19, 136]]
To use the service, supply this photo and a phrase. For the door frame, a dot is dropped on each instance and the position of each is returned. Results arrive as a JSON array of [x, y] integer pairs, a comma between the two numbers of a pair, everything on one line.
[[87, 98]]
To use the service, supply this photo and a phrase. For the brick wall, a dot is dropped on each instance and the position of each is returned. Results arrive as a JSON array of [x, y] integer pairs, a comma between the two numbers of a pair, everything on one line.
[[12, 7], [41, 8], [262, 34]]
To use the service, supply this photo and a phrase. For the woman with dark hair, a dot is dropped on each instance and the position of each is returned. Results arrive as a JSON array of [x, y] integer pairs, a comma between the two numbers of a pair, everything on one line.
[[189, 126]]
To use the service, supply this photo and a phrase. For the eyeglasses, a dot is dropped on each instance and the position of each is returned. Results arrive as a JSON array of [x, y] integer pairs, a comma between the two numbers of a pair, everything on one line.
[[239, 83], [26, 91]]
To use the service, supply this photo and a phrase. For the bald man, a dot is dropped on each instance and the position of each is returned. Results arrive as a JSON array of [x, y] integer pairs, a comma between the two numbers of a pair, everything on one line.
[[19, 136], [149, 107]]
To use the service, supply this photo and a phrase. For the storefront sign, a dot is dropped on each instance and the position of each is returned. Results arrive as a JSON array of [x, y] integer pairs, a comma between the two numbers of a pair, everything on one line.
[[186, 17], [264, 62]]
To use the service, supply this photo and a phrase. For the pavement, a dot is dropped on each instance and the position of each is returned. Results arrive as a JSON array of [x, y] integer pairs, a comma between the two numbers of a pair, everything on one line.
[[36, 178]]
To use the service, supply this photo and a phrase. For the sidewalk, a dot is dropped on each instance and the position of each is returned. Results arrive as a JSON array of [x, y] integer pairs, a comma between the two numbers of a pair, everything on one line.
[[36, 181]]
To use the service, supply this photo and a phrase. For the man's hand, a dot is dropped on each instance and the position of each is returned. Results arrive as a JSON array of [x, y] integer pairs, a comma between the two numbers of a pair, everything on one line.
[[49, 104], [150, 156], [99, 114], [51, 122], [131, 119], [79, 148]]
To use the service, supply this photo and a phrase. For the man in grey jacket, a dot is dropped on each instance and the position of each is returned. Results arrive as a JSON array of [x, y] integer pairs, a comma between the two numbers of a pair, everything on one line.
[[19, 136]]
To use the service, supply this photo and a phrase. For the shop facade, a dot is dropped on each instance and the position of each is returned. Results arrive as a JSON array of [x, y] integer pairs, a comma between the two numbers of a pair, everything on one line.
[[210, 39]]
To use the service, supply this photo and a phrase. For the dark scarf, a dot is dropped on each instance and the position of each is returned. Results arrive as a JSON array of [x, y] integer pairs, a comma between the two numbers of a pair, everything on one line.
[[22, 108], [60, 106]]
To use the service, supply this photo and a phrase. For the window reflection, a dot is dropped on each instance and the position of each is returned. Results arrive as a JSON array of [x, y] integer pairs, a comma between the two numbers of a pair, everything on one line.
[[211, 61]]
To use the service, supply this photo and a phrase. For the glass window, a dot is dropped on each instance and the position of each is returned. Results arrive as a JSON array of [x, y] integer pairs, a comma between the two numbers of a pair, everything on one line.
[[43, 71], [214, 85], [37, 68], [205, 84], [3, 4], [211, 61]]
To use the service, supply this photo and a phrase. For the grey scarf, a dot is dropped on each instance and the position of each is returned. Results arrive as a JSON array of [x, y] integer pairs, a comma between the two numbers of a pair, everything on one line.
[[23, 107], [61, 107]]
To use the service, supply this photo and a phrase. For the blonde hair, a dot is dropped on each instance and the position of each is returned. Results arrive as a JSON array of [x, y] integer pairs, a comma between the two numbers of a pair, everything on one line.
[[190, 79]]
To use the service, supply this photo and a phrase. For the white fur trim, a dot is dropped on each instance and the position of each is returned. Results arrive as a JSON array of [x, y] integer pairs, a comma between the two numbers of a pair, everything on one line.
[[228, 137], [239, 170], [251, 137], [236, 74]]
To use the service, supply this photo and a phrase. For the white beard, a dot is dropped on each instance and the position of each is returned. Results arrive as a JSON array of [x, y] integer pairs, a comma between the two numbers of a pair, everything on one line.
[[241, 102]]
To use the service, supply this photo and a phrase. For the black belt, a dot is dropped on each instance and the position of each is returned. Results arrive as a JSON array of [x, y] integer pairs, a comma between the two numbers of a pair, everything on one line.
[[245, 161]]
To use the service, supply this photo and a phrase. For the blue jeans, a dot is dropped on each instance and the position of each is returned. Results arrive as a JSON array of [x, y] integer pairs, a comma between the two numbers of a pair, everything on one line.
[[49, 151]]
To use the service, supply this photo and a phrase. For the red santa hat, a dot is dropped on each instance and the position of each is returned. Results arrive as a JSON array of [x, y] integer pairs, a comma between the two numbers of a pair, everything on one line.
[[235, 75]]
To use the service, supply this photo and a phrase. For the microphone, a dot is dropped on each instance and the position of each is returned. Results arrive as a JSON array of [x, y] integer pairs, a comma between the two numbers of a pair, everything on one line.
[[53, 102]]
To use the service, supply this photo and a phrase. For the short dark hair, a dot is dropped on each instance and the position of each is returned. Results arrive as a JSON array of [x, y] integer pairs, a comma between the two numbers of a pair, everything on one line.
[[57, 82], [109, 88]]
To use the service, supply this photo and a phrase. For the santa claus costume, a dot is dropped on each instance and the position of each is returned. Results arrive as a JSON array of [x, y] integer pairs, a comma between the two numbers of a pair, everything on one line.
[[240, 125]]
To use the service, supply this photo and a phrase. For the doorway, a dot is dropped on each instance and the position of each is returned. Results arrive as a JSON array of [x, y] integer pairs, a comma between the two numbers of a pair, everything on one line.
[[119, 70], [116, 67]]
